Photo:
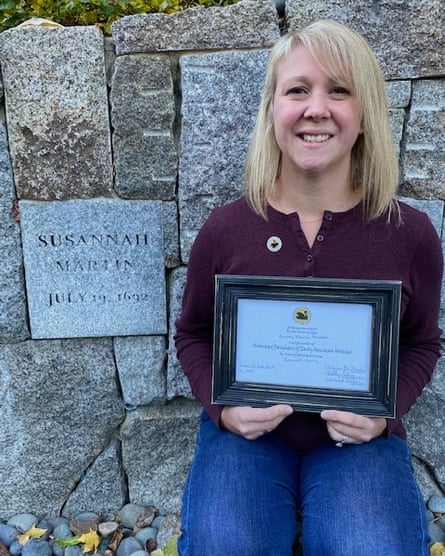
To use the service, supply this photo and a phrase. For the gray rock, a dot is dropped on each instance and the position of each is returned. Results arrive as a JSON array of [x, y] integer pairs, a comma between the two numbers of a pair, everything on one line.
[[396, 121], [36, 547], [107, 528], [177, 383], [399, 93], [8, 534], [157, 522], [142, 116], [23, 522], [171, 234], [55, 90], [58, 550], [49, 436], [129, 515], [128, 546], [75, 550], [422, 157], [145, 534], [102, 486], [249, 23], [94, 268], [141, 366], [62, 530], [425, 423], [435, 532], [437, 504], [426, 482], [13, 325], [407, 37], [87, 516], [6, 179], [441, 523], [16, 548], [215, 132], [157, 448]]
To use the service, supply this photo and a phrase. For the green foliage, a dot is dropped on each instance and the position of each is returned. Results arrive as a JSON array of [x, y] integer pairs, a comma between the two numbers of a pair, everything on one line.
[[91, 12]]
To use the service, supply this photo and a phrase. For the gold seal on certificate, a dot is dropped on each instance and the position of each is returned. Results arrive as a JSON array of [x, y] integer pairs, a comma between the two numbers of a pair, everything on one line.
[[302, 315], [311, 343]]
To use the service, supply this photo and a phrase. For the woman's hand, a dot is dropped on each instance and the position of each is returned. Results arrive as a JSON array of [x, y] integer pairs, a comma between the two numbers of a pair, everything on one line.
[[253, 422], [349, 428]]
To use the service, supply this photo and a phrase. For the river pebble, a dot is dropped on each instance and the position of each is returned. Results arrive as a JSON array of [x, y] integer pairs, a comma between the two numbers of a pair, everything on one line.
[[139, 530], [23, 522], [8, 534]]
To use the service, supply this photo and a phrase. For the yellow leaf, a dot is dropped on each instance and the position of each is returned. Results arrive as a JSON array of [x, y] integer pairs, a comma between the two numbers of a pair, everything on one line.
[[91, 541], [32, 533], [437, 549]]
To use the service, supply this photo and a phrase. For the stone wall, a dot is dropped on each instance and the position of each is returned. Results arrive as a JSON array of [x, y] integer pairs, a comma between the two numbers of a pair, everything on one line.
[[155, 121]]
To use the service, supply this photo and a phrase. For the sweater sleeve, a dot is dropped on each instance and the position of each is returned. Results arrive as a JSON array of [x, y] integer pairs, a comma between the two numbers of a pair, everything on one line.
[[420, 344], [194, 328]]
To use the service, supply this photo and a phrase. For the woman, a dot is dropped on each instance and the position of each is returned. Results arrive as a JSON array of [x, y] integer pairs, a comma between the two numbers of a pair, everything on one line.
[[320, 186]]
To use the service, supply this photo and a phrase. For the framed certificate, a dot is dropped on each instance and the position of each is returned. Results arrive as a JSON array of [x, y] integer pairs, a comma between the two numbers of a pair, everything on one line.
[[311, 343]]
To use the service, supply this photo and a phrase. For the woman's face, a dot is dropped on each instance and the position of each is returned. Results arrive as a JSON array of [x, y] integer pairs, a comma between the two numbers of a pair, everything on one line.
[[316, 119]]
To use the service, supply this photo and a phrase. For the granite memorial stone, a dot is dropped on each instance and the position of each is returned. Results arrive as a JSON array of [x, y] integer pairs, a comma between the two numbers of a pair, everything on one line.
[[94, 267]]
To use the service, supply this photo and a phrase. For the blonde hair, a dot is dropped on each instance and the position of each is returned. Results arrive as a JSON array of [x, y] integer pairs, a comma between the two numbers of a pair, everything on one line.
[[346, 56]]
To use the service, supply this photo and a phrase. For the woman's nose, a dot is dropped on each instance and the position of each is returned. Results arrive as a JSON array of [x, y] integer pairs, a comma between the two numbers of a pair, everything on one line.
[[317, 106]]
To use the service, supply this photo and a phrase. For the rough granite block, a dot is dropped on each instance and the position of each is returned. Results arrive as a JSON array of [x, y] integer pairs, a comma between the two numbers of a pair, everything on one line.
[[177, 383], [424, 141], [216, 128], [57, 111], [158, 443], [407, 37], [143, 113], [399, 93], [60, 403], [425, 421], [94, 267], [246, 24], [140, 364]]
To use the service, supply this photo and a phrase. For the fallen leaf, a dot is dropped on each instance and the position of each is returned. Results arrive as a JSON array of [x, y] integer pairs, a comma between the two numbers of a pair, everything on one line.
[[91, 541], [116, 539], [68, 541], [32, 533], [438, 549], [171, 546]]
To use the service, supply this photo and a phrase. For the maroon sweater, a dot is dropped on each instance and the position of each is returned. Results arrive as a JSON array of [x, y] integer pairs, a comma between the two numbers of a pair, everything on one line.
[[234, 241]]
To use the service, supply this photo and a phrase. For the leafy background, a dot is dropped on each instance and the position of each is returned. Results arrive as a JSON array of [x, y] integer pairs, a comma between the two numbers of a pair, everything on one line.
[[91, 12]]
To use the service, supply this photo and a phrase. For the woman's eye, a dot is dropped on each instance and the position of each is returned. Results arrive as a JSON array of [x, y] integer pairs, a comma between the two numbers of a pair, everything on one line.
[[297, 91], [340, 92]]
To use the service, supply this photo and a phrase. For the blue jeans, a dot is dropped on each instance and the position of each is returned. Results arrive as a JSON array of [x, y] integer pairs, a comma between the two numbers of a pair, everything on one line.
[[242, 498]]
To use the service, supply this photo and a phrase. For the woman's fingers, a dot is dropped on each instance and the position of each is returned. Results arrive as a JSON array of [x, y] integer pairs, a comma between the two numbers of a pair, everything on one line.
[[345, 427], [253, 422]]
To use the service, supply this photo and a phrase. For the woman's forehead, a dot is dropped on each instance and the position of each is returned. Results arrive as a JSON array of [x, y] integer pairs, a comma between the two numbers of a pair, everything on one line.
[[299, 57]]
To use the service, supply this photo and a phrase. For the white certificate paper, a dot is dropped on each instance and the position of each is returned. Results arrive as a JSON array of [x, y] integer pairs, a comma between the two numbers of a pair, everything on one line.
[[307, 344]]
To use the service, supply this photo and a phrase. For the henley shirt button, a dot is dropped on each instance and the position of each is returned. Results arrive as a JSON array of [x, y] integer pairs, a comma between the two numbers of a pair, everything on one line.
[[320, 237], [328, 217], [309, 258]]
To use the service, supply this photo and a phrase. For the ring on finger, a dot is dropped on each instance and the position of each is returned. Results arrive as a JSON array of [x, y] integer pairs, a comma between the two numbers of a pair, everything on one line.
[[344, 440]]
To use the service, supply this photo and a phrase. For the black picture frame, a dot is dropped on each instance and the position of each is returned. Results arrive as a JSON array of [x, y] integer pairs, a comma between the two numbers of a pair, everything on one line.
[[379, 298]]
